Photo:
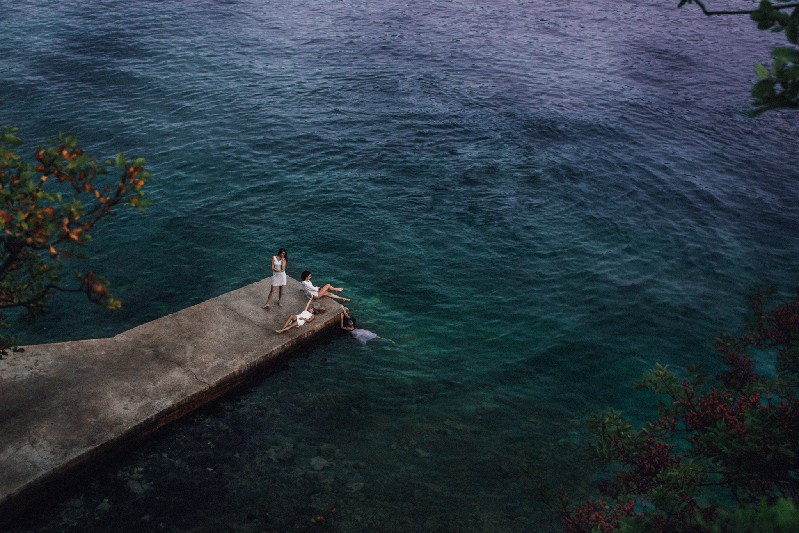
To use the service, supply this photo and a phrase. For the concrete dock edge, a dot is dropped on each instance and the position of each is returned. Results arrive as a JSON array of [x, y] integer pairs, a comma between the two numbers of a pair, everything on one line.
[[66, 405]]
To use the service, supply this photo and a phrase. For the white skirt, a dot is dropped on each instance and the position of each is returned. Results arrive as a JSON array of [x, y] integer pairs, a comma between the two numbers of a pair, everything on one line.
[[278, 279]]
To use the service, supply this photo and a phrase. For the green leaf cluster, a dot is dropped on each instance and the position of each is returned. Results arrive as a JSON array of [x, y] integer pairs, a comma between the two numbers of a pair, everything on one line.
[[781, 517], [48, 209], [778, 86]]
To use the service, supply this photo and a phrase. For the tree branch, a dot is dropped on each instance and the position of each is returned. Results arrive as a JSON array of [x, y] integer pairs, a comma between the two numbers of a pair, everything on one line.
[[32, 301], [13, 251], [748, 12]]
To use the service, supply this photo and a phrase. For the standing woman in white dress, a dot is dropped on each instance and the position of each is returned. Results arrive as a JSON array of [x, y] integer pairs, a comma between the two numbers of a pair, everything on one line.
[[278, 276]]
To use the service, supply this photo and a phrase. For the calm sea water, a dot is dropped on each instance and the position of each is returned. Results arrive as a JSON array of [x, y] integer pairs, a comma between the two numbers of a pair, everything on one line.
[[530, 202]]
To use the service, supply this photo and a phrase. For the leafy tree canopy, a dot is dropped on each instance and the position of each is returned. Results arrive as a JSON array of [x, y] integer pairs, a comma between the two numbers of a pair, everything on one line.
[[48, 208]]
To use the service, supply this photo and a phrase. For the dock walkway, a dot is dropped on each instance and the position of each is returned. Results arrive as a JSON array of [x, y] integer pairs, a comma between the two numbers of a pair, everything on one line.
[[66, 404]]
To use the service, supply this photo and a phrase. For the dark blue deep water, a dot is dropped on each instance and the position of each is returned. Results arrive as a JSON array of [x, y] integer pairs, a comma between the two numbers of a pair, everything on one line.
[[530, 202]]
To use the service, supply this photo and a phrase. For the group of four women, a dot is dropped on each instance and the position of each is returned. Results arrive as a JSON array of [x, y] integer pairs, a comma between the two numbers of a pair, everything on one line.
[[279, 262]]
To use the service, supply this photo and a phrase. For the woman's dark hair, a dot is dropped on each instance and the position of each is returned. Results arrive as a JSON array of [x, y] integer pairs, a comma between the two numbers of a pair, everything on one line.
[[352, 319], [318, 310], [283, 251], [304, 275]]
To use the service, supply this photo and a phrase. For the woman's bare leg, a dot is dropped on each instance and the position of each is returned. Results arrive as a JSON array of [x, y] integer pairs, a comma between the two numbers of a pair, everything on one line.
[[286, 325], [271, 292], [324, 292], [280, 296]]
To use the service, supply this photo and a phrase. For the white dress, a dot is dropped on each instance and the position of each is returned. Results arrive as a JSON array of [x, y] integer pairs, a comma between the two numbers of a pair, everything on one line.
[[303, 317], [363, 335], [278, 278], [309, 289]]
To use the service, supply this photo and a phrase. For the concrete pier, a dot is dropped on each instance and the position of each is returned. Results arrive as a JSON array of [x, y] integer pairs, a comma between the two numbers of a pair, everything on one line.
[[65, 405]]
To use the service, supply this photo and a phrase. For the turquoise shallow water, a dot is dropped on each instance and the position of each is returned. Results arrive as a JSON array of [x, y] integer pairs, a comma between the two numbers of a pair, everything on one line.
[[531, 203]]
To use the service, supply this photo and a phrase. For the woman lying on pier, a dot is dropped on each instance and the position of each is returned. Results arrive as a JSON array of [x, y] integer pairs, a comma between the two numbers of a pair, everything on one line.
[[314, 293], [301, 318]]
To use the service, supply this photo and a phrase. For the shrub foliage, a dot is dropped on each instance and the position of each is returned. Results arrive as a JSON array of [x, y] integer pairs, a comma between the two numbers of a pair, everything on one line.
[[721, 455]]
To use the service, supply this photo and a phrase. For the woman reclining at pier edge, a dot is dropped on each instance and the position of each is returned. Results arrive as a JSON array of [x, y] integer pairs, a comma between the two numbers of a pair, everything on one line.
[[348, 324], [301, 318], [314, 293]]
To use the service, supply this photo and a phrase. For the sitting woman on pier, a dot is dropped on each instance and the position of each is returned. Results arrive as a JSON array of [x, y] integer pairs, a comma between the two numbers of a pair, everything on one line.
[[301, 318], [314, 293]]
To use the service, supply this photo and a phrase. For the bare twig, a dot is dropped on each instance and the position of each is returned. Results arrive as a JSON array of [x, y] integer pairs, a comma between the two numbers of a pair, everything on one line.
[[740, 12]]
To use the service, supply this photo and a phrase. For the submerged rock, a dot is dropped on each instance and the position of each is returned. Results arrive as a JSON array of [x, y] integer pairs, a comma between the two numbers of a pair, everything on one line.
[[137, 487], [281, 453], [104, 506], [318, 463]]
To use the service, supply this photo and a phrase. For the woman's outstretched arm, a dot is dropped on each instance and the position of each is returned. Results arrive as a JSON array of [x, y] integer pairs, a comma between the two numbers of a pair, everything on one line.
[[342, 315]]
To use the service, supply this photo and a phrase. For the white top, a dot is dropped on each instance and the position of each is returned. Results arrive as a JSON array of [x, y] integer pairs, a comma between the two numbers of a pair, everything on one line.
[[278, 278], [309, 289], [302, 317]]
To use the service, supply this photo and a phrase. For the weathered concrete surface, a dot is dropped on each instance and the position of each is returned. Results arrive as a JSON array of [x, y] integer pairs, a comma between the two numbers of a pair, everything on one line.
[[63, 405]]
